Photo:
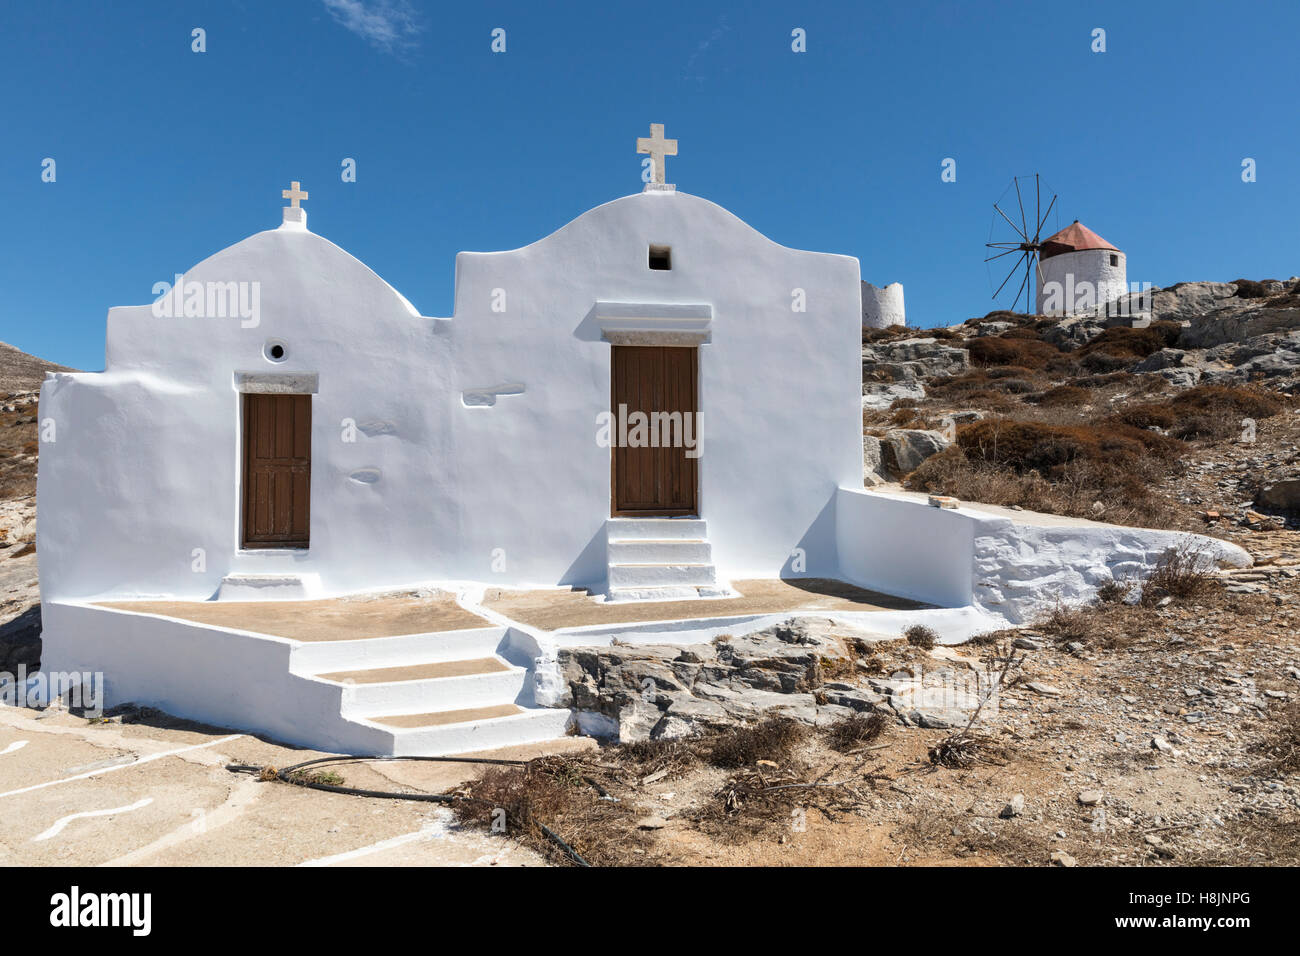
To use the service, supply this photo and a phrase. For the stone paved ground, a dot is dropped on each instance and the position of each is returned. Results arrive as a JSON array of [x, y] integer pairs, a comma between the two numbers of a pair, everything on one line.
[[157, 792]]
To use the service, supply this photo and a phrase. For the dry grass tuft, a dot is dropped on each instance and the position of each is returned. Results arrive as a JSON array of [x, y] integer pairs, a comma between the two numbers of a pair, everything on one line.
[[1281, 748], [1184, 574], [918, 635], [667, 756]]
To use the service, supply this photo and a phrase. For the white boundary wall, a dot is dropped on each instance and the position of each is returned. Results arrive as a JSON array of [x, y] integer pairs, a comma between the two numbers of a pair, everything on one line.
[[1010, 569]]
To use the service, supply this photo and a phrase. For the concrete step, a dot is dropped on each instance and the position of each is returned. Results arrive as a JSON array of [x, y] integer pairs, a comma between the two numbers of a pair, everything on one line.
[[659, 551], [318, 657], [442, 732], [658, 529], [268, 587], [660, 575], [444, 685], [681, 593]]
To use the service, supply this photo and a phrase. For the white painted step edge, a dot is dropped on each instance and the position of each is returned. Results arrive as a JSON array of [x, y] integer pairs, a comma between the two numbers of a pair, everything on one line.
[[324, 657], [429, 695], [532, 726], [660, 575], [631, 529], [659, 551]]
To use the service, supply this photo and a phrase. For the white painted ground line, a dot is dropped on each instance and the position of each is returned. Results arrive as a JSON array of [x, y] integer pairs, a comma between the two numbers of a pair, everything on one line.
[[135, 763], [429, 831], [64, 821], [15, 746]]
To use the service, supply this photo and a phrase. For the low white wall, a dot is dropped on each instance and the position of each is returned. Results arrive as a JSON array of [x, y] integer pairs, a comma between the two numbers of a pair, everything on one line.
[[1009, 569], [221, 677], [904, 547], [1022, 569]]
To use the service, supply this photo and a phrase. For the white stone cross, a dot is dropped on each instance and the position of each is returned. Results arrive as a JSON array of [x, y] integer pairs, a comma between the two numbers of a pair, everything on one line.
[[658, 148], [294, 195]]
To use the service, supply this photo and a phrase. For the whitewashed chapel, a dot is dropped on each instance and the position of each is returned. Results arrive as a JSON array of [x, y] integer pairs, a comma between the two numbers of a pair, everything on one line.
[[282, 421], [652, 403]]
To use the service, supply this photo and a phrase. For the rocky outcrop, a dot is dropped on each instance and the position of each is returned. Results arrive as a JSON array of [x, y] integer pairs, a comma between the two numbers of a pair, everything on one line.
[[896, 370], [1190, 300], [906, 448], [911, 360], [1074, 331], [1280, 495], [1238, 324], [880, 395], [664, 691], [873, 462]]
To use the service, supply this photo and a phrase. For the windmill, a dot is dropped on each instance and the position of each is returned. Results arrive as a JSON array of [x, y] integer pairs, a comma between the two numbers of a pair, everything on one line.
[[1024, 241]]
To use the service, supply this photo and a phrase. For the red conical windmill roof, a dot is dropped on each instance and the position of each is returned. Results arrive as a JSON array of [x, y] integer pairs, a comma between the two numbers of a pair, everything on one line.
[[1073, 238]]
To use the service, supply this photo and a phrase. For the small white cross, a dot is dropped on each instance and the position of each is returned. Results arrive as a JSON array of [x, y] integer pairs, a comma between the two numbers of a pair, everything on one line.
[[294, 195], [658, 148]]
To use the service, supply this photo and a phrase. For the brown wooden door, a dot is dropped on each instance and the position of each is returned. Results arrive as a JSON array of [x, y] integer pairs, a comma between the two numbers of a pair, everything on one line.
[[655, 480], [277, 471]]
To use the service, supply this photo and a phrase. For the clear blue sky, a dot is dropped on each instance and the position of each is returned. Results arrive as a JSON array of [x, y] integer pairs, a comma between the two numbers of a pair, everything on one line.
[[165, 156]]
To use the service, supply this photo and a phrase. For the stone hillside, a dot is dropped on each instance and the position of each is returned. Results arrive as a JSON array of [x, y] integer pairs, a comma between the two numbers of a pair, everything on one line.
[[1188, 398], [22, 373]]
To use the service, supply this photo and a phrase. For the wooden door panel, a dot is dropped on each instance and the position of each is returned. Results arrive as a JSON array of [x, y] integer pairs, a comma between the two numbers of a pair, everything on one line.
[[654, 480], [277, 471]]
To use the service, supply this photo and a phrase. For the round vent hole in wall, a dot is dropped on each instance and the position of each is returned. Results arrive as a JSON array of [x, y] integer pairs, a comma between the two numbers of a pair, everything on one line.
[[275, 351]]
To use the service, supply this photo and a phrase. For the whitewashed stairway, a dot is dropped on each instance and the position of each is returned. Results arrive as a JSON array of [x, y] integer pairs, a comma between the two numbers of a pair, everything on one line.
[[660, 559], [434, 693]]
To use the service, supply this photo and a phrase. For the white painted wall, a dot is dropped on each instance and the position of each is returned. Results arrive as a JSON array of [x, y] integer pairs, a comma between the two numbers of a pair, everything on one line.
[[1070, 269], [904, 547], [1006, 568], [211, 674], [882, 307], [143, 477]]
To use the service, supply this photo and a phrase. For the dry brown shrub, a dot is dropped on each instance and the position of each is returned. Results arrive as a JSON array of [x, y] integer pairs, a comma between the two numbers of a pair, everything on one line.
[[996, 372], [1027, 353], [645, 757], [1068, 624], [774, 738], [966, 749], [853, 733], [1122, 342], [554, 793], [1144, 415], [918, 635], [1280, 748], [1073, 490], [753, 803], [953, 385], [1026, 446], [1182, 573], [1249, 841], [1239, 401], [1249, 289], [1063, 396]]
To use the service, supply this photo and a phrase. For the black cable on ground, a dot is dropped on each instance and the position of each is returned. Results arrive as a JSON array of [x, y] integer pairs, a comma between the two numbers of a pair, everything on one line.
[[285, 776]]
